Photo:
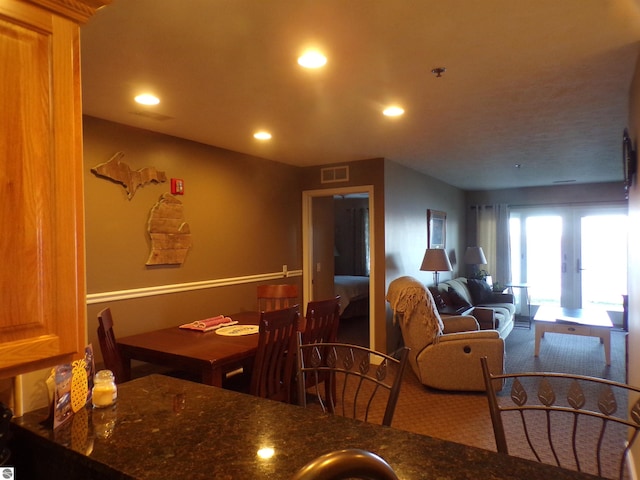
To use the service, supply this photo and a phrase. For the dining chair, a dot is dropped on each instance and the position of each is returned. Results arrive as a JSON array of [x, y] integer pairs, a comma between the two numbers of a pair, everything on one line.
[[110, 353], [321, 321], [321, 324], [276, 297], [571, 421], [274, 365], [367, 383], [113, 360]]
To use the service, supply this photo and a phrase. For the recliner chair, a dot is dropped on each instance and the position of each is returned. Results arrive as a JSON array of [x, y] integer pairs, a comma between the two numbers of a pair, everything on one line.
[[444, 352]]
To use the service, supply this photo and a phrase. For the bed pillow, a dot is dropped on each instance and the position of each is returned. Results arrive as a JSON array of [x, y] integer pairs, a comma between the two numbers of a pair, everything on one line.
[[480, 291]]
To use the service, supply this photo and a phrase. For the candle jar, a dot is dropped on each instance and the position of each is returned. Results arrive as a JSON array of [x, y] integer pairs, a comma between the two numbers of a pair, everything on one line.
[[105, 392]]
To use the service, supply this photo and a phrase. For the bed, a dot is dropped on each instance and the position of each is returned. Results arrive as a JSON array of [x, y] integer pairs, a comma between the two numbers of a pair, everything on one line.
[[354, 295]]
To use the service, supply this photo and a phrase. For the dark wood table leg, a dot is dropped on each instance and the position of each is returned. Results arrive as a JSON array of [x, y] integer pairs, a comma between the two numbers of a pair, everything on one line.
[[126, 369], [212, 376]]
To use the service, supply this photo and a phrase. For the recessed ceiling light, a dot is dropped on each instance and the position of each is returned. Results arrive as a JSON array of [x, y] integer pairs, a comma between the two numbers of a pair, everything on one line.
[[312, 59], [393, 111], [147, 99], [262, 135]]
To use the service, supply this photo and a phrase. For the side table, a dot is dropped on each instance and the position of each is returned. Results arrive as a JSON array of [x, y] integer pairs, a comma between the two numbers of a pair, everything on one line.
[[525, 287], [484, 316]]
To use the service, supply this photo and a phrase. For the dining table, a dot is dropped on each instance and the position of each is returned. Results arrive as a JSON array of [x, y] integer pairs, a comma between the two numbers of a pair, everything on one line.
[[210, 356]]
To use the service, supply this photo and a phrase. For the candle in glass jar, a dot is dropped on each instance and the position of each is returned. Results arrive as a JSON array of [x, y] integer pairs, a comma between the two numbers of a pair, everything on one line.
[[105, 392]]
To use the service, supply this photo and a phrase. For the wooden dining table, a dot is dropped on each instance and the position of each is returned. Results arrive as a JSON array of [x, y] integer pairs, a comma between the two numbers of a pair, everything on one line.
[[207, 354]]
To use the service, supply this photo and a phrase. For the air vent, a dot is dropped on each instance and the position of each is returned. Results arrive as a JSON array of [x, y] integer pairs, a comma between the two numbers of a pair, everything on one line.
[[334, 174], [153, 115]]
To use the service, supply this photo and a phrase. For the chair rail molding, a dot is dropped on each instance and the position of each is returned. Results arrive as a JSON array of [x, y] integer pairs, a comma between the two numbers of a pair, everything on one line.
[[101, 297]]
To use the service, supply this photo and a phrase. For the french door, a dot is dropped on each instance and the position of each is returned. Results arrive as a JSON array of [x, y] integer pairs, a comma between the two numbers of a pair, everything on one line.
[[573, 257]]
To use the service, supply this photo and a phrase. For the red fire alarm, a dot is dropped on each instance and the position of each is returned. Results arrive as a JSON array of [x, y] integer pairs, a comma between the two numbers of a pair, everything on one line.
[[177, 186]]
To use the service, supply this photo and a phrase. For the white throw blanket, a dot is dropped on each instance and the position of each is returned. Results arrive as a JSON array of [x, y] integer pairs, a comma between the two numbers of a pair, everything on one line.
[[409, 298]]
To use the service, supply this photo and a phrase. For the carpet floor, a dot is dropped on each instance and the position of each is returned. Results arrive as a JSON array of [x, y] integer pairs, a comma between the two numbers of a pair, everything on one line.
[[464, 417]]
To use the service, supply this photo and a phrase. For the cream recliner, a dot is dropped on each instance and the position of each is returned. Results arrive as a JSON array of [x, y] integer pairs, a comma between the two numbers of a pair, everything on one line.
[[443, 354]]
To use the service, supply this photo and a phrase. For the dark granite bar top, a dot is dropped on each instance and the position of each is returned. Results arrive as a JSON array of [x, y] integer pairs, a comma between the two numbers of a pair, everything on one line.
[[166, 428]]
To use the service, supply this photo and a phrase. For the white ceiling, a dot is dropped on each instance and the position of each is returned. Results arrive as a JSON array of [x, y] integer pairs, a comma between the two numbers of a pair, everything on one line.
[[540, 83]]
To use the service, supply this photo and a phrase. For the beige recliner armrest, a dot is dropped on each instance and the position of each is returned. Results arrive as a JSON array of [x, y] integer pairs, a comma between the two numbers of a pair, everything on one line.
[[459, 323], [458, 336]]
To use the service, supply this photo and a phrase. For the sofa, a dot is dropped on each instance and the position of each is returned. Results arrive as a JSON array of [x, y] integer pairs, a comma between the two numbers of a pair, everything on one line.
[[444, 353], [493, 310]]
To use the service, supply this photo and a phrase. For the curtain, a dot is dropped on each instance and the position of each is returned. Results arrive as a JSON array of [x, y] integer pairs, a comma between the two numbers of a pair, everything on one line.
[[361, 241], [491, 228]]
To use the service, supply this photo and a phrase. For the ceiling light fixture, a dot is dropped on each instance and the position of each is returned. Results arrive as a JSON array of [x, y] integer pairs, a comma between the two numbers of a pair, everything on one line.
[[393, 111], [438, 71], [147, 99], [262, 135], [312, 59]]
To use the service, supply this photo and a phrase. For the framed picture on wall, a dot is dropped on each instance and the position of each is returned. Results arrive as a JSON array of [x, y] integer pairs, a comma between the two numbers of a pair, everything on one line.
[[436, 229]]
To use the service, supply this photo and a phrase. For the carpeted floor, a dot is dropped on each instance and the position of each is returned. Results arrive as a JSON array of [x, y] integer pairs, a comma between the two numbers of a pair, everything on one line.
[[464, 417]]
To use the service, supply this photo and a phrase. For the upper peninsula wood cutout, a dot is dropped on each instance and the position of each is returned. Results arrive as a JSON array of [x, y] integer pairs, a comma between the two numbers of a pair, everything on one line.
[[131, 180]]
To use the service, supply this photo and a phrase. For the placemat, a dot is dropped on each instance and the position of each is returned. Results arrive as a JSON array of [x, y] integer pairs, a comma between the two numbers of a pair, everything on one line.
[[238, 330]]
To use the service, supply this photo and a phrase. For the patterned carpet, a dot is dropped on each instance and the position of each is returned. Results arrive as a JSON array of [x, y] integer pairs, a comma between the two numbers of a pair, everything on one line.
[[464, 417]]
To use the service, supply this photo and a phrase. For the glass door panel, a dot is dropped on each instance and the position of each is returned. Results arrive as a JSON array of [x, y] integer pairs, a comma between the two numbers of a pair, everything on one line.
[[603, 261], [544, 258], [574, 257]]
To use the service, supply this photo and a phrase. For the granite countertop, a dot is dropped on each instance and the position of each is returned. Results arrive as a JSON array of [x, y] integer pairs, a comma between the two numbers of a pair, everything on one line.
[[166, 428]]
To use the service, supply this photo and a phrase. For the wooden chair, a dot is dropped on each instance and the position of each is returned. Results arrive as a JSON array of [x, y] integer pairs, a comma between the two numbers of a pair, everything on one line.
[[321, 325], [321, 321], [274, 366], [571, 421], [108, 347], [367, 382], [276, 297]]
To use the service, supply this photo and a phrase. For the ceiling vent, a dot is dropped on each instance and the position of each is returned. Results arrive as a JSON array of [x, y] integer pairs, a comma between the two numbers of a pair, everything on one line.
[[152, 115], [334, 174]]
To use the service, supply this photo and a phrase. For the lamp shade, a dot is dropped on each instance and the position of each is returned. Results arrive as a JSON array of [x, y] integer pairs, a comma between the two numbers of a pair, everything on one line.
[[475, 256], [436, 260]]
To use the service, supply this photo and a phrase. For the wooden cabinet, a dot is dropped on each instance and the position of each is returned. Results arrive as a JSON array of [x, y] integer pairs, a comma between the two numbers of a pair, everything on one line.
[[42, 275]]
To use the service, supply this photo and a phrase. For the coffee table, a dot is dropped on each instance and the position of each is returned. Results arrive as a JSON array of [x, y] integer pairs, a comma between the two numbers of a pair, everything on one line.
[[591, 322]]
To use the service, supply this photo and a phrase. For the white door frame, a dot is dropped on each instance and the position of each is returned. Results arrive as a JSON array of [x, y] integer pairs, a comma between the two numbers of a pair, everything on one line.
[[307, 244]]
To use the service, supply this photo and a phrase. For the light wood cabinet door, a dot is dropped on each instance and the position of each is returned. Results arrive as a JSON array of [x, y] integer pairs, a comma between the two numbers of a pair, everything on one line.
[[42, 276]]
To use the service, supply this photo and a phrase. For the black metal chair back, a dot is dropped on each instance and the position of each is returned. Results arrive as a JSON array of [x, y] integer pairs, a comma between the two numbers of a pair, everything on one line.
[[367, 383], [572, 421]]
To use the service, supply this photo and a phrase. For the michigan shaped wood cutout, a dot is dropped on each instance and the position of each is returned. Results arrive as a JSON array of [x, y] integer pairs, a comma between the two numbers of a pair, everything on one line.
[[170, 234]]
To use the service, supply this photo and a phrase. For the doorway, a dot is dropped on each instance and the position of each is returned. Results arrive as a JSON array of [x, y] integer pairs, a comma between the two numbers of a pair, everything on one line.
[[319, 247]]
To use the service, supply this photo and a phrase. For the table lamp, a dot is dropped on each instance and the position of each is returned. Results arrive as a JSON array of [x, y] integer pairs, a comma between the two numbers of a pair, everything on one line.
[[436, 260], [475, 256]]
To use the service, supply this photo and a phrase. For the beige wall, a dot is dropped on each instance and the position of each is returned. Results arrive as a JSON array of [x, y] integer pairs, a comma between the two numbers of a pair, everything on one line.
[[244, 214], [634, 254], [553, 195], [407, 196]]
